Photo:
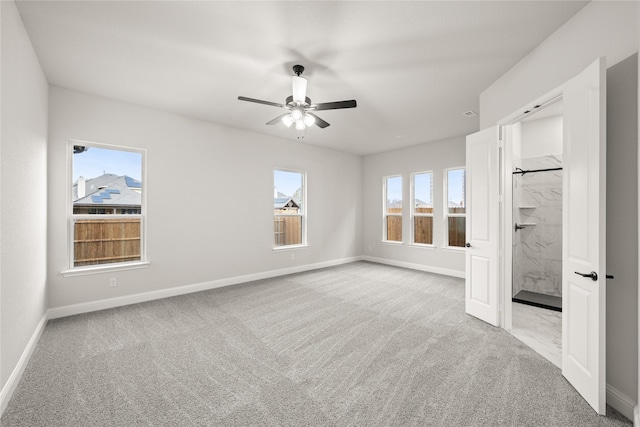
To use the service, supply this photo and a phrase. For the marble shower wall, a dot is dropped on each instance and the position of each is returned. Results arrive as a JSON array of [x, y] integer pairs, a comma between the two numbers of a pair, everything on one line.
[[517, 244], [538, 249]]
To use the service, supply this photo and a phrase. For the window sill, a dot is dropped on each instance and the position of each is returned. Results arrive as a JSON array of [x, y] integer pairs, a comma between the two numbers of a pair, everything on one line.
[[454, 248], [83, 271], [422, 245], [289, 248], [392, 243]]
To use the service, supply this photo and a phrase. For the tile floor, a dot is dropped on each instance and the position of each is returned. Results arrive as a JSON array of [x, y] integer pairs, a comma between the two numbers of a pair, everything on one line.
[[540, 329]]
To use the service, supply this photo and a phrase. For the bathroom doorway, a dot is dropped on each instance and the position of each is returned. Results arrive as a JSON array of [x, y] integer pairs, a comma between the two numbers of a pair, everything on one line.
[[490, 226], [536, 238]]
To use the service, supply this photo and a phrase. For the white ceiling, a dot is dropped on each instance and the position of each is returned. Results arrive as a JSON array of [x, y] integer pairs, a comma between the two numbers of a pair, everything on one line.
[[413, 67]]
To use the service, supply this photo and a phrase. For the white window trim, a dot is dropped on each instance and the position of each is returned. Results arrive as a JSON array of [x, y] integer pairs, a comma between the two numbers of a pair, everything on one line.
[[413, 213], [384, 211], [105, 268], [302, 214], [446, 213], [116, 266]]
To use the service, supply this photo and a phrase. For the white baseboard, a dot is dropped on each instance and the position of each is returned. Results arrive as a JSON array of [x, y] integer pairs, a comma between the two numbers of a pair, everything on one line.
[[70, 310], [14, 378], [420, 267], [621, 402]]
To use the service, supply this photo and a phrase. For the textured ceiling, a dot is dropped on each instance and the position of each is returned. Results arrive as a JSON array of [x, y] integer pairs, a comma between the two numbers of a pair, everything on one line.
[[413, 67]]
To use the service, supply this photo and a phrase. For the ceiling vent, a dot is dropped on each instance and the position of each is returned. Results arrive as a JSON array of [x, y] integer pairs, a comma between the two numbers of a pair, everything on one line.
[[469, 113]]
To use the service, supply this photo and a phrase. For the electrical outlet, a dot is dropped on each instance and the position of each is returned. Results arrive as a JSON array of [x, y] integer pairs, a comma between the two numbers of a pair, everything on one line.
[[113, 282]]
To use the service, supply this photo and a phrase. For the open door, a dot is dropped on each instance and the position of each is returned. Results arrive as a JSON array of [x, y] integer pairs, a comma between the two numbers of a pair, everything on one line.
[[481, 259], [583, 235]]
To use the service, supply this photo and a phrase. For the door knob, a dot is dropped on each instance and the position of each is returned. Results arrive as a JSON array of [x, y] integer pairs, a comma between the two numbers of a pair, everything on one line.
[[468, 245], [593, 275]]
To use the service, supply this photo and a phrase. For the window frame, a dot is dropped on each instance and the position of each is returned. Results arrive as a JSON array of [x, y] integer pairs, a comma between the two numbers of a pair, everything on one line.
[[413, 214], [72, 218], [385, 214], [446, 213], [302, 213]]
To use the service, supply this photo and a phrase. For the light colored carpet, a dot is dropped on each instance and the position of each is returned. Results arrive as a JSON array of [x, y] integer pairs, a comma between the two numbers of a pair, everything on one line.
[[356, 345]]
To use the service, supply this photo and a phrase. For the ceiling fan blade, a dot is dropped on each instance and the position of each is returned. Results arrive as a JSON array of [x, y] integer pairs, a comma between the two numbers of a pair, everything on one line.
[[299, 88], [276, 120], [319, 122], [334, 105], [259, 101]]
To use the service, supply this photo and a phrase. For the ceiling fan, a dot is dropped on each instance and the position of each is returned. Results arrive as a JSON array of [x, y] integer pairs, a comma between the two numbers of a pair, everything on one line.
[[299, 108]]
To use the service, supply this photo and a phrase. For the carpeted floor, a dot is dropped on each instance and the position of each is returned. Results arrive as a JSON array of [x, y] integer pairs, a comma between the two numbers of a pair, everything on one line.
[[355, 345]]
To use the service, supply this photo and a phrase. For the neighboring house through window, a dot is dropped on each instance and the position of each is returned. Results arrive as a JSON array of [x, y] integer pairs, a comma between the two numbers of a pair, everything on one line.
[[107, 212], [455, 214], [289, 204], [392, 188]]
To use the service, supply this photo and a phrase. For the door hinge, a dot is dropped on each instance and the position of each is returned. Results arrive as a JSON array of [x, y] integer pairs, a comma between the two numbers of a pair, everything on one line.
[[500, 198], [500, 143]]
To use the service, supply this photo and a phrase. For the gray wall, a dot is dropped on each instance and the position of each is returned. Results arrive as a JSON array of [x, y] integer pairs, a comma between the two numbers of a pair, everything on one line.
[[622, 225], [600, 29], [210, 198], [23, 192], [434, 157]]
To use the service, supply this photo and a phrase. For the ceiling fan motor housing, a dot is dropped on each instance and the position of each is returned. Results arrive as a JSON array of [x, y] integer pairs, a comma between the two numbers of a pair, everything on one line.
[[298, 69]]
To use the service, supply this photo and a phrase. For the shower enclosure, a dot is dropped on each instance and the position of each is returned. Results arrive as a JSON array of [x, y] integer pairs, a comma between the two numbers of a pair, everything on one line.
[[537, 231]]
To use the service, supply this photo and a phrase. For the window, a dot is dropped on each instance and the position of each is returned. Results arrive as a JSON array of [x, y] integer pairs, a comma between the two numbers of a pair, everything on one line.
[[107, 209], [393, 209], [456, 207], [422, 208], [289, 204]]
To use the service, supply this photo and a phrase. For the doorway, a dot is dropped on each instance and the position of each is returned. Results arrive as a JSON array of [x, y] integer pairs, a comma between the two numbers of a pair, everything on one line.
[[488, 255], [536, 234]]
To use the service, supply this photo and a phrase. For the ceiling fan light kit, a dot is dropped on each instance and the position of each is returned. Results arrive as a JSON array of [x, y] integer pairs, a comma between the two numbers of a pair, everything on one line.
[[309, 120], [299, 106]]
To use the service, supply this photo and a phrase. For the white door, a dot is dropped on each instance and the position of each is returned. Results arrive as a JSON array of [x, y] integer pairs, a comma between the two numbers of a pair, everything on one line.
[[482, 181], [583, 298]]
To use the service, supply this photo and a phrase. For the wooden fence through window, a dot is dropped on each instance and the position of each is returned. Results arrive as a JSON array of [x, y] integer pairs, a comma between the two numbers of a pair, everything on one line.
[[105, 241], [288, 230], [394, 225], [457, 227], [423, 226]]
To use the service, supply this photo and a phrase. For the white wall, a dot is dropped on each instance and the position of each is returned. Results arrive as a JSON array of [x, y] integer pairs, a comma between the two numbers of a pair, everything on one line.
[[23, 195], [600, 29], [541, 137], [434, 157], [210, 198]]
